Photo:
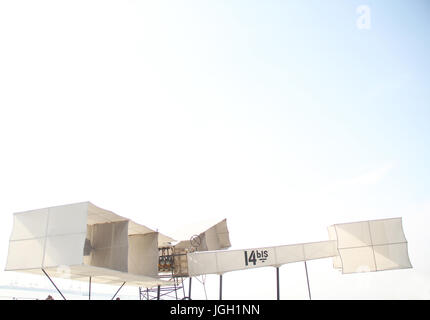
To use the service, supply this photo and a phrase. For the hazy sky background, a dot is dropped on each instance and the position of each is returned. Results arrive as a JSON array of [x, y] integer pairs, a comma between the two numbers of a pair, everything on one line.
[[282, 116]]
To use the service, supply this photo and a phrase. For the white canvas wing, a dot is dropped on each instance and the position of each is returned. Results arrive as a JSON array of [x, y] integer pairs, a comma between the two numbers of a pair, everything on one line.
[[86, 241]]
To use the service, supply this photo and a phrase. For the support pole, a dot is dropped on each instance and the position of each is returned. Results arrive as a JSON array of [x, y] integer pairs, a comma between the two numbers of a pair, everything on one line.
[[189, 289], [118, 290], [183, 286], [220, 286], [278, 295], [176, 289], [147, 294], [158, 292], [53, 284], [307, 278], [89, 290]]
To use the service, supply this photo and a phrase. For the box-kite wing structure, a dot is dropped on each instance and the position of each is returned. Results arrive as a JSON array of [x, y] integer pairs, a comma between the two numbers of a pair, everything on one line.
[[81, 240], [375, 245]]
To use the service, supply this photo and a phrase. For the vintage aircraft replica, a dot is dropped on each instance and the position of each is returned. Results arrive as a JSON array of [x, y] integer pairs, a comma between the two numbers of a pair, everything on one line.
[[84, 242]]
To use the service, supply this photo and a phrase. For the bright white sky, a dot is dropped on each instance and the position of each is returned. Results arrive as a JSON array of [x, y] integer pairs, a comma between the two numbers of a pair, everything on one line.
[[282, 116]]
